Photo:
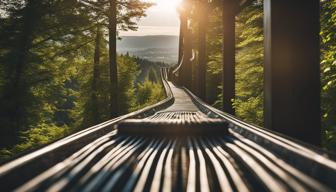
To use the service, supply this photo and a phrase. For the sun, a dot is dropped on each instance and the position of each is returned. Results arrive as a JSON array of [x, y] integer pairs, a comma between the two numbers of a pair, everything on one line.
[[171, 3], [167, 4]]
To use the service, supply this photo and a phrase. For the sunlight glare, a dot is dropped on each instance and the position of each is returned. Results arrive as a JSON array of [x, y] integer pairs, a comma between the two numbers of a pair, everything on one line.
[[161, 19], [167, 4], [170, 3]]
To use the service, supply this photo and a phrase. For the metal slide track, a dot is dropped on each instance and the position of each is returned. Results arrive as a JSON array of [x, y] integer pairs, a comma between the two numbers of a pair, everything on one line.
[[225, 154]]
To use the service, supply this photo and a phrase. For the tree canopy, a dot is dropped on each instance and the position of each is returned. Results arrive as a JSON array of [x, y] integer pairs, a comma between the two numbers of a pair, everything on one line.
[[54, 66]]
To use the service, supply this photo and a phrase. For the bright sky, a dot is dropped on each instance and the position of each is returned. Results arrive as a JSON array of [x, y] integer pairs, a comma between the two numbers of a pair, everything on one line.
[[162, 19]]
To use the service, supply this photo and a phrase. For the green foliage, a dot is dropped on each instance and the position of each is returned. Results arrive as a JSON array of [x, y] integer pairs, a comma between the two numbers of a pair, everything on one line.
[[128, 12], [249, 65], [152, 75], [149, 93], [249, 62], [38, 41], [47, 68], [35, 137], [87, 111], [214, 67], [43, 134], [127, 73], [147, 67], [77, 104], [328, 72], [133, 94]]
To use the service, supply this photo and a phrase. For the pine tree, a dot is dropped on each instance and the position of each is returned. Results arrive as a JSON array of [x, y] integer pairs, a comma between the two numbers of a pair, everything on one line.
[[36, 36], [117, 16]]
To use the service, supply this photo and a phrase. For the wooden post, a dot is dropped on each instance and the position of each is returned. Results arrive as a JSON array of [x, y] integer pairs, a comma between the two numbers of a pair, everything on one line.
[[202, 53], [185, 74], [183, 29], [229, 7], [292, 69], [187, 64], [183, 25]]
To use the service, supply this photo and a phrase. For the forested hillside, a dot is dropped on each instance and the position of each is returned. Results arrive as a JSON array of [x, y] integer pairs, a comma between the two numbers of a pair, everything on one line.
[[157, 48], [55, 77]]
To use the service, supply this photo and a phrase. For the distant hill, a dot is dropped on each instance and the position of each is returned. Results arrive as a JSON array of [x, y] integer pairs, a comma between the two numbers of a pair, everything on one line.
[[154, 48], [146, 42]]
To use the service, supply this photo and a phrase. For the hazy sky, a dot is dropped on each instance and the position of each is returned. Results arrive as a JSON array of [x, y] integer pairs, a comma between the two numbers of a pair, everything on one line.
[[162, 19]]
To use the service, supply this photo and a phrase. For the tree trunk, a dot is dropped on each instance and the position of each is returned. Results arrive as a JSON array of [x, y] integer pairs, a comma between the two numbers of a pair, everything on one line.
[[24, 44], [229, 7], [180, 48], [96, 63], [113, 58], [14, 102], [202, 57]]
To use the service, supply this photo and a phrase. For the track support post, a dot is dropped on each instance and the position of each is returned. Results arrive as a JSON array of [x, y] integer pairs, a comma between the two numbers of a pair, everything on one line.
[[229, 10], [292, 69]]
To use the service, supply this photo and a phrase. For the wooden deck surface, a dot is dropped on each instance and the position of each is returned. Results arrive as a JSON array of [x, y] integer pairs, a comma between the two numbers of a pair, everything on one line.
[[182, 101]]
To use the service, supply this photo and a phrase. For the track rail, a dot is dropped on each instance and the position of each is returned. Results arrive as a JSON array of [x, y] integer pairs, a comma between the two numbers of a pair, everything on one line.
[[242, 158]]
